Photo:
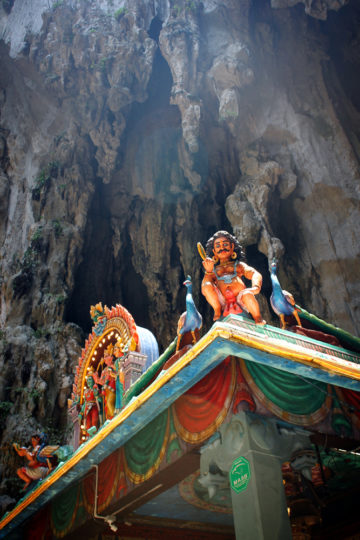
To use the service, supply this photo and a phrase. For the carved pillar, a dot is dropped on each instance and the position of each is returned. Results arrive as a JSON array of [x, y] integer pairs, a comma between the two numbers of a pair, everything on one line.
[[251, 449], [73, 413], [133, 366], [260, 511]]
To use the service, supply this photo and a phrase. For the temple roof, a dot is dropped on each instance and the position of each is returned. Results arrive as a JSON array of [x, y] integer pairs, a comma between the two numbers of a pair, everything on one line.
[[233, 336]]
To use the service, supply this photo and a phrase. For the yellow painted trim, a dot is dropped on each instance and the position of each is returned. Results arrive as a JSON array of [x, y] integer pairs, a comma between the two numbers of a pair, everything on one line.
[[332, 365], [286, 350]]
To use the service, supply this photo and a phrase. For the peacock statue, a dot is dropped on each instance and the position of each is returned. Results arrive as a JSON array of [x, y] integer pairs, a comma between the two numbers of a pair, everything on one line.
[[281, 301], [190, 320]]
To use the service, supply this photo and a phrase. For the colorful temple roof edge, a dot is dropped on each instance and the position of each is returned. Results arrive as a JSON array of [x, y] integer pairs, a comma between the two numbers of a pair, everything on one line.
[[233, 336]]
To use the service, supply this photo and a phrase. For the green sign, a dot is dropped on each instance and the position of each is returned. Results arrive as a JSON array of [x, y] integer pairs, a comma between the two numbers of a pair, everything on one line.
[[239, 474]]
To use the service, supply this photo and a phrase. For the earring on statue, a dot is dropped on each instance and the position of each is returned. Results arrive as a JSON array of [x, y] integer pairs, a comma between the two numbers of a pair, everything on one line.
[[234, 255], [215, 258]]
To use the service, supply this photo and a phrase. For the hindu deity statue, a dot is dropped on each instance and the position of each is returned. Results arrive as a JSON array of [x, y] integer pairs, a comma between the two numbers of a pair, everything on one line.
[[108, 381], [222, 285], [91, 408], [120, 378]]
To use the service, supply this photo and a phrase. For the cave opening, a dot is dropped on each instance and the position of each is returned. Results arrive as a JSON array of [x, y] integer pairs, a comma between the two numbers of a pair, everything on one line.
[[93, 281], [148, 156], [155, 28], [342, 31], [107, 272], [341, 72]]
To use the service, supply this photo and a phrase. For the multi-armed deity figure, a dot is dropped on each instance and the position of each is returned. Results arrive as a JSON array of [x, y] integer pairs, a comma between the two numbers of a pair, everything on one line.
[[222, 285]]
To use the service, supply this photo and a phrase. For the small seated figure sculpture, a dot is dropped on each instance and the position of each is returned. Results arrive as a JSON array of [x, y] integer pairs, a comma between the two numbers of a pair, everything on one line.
[[222, 285]]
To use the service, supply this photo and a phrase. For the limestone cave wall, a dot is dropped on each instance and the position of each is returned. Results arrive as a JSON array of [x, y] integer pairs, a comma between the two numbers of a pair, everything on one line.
[[130, 130]]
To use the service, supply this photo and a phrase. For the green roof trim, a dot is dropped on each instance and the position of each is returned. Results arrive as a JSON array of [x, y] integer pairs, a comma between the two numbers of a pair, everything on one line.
[[345, 337], [146, 378]]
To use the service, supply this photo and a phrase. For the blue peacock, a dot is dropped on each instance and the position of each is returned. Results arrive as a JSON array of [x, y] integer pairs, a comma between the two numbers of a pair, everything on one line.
[[281, 301], [190, 320]]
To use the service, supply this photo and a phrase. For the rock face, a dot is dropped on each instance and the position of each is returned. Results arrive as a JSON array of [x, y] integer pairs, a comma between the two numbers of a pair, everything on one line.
[[316, 8], [130, 130]]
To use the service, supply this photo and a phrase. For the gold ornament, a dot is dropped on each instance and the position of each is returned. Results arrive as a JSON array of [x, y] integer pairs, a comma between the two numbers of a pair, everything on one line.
[[201, 251], [234, 255], [109, 349], [132, 346]]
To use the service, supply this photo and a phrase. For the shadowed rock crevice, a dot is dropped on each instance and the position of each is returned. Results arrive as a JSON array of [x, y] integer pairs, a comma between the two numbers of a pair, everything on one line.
[[341, 75], [155, 28], [93, 278], [147, 170]]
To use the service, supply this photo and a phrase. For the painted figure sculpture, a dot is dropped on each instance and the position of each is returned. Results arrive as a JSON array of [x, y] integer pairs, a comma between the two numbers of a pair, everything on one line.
[[222, 285], [40, 458], [90, 410], [112, 378], [107, 381], [120, 375]]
